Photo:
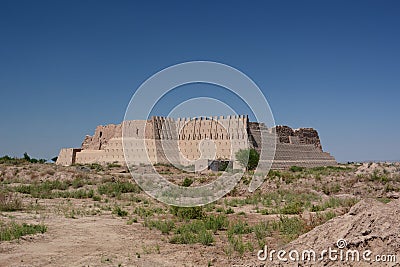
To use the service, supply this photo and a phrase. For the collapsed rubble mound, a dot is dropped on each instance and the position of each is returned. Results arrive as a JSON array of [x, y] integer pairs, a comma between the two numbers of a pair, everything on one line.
[[369, 225], [386, 168]]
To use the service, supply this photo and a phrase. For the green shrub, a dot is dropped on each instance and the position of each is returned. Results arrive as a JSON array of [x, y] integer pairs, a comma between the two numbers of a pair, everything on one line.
[[14, 230], [316, 208], [165, 226], [192, 232], [239, 228], [96, 198], [96, 166], [187, 213], [216, 222], [183, 238], [296, 169], [143, 212], [79, 181], [238, 245], [329, 215], [120, 212], [43, 189], [261, 231], [376, 176], [187, 182], [229, 211], [292, 208], [384, 200], [330, 189], [10, 202], [290, 227], [248, 158], [219, 209], [334, 202], [205, 238], [390, 187], [224, 166], [113, 165], [114, 189], [79, 194]]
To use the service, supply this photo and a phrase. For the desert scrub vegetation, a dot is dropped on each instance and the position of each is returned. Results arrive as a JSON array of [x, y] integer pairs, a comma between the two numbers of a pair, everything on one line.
[[237, 244], [10, 202], [295, 172], [286, 201], [53, 189], [198, 230], [241, 235], [145, 211], [334, 202], [96, 167], [187, 182], [165, 226], [377, 176], [13, 230], [187, 213], [192, 232], [115, 189], [119, 211], [80, 180], [113, 165], [289, 227], [330, 189], [69, 210], [41, 190], [239, 227]]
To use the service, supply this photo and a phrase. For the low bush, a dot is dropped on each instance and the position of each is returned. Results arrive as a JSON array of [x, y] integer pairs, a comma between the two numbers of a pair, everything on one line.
[[239, 228], [165, 226], [192, 232], [187, 213], [296, 169], [114, 189], [119, 211], [290, 227], [10, 231], [216, 222], [187, 182], [10, 202], [292, 208]]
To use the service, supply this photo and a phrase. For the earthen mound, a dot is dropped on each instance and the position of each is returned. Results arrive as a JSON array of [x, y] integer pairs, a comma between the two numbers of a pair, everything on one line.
[[369, 225]]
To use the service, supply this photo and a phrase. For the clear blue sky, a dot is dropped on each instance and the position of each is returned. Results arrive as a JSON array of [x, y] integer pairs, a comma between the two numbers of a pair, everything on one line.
[[68, 66]]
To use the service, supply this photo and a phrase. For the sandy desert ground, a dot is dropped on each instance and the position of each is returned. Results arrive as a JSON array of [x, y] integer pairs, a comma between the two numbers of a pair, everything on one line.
[[96, 215]]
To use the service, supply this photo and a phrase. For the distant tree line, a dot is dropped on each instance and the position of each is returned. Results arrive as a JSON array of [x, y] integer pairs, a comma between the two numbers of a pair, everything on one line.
[[25, 158]]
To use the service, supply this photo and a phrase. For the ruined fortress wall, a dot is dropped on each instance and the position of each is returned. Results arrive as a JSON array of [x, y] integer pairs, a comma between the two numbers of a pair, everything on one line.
[[89, 156], [185, 140], [101, 136], [229, 134], [299, 147], [67, 156], [283, 132], [308, 136]]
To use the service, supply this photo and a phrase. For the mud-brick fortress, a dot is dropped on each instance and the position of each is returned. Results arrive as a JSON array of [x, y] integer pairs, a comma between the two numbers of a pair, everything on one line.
[[187, 140]]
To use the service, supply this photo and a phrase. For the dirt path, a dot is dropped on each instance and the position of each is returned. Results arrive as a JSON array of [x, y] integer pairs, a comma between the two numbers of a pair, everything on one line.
[[103, 241], [87, 241]]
